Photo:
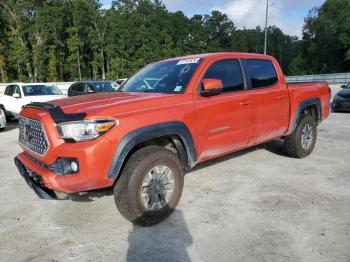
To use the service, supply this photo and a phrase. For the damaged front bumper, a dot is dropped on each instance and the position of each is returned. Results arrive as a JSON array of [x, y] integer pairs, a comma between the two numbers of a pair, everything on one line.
[[34, 181]]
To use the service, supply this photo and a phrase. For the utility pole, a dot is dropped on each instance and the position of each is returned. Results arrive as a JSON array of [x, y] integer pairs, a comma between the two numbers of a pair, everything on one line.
[[266, 18]]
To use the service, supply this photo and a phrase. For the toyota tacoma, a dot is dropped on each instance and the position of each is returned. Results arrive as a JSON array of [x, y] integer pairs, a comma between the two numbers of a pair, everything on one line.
[[164, 120]]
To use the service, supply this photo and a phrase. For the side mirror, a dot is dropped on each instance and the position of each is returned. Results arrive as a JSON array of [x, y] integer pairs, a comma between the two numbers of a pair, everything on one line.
[[343, 86], [211, 87], [16, 95]]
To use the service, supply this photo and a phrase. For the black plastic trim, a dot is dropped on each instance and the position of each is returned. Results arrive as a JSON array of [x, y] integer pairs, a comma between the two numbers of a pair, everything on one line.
[[56, 112], [34, 182], [306, 103], [61, 167], [147, 133]]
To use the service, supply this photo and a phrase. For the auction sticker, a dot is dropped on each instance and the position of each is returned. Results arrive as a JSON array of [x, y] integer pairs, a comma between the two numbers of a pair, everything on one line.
[[177, 88], [188, 61]]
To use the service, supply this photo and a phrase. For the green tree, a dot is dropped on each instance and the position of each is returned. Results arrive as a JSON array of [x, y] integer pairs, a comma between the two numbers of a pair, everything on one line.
[[53, 75]]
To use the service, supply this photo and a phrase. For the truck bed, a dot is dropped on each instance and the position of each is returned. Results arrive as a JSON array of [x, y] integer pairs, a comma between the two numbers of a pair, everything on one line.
[[298, 92]]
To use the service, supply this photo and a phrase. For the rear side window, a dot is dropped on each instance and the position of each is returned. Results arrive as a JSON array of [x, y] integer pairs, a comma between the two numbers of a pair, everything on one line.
[[262, 73], [12, 89], [78, 88], [229, 72]]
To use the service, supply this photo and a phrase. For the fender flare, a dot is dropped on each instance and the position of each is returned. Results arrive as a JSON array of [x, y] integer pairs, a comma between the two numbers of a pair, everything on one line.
[[304, 104], [147, 133]]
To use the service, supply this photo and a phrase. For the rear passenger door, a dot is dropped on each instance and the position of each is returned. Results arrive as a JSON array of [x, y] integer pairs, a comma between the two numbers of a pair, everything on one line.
[[224, 122], [270, 97]]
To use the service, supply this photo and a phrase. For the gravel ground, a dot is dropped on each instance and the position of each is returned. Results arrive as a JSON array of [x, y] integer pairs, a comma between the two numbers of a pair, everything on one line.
[[255, 205]]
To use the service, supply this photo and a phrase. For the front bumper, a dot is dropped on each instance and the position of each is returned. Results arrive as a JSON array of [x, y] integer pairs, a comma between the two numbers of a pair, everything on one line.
[[341, 105], [93, 158], [92, 167], [34, 181]]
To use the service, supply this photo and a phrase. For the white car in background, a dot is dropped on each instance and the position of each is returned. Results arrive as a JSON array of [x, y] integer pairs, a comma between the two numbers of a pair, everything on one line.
[[2, 120], [17, 95]]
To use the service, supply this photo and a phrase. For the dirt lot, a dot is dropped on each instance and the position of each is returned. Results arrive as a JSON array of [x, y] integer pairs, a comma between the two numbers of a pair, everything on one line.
[[256, 205]]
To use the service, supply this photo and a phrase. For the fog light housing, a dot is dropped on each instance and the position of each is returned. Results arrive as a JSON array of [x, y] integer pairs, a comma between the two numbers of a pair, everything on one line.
[[66, 166]]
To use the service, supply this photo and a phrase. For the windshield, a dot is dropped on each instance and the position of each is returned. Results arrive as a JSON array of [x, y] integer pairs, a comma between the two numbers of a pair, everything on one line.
[[40, 90], [170, 77], [105, 86]]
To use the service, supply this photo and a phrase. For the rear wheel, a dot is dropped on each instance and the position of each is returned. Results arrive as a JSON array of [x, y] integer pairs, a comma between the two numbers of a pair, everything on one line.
[[150, 186], [302, 141]]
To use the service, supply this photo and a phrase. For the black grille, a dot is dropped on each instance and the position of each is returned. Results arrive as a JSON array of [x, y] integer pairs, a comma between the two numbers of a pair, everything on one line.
[[32, 135]]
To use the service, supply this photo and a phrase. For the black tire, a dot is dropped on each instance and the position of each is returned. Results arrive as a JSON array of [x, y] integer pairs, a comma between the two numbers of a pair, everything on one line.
[[7, 115], [127, 190], [293, 143]]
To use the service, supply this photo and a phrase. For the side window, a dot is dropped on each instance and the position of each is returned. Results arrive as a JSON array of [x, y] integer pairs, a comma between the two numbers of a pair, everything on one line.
[[229, 72], [78, 88], [10, 90], [72, 88], [88, 89], [262, 73]]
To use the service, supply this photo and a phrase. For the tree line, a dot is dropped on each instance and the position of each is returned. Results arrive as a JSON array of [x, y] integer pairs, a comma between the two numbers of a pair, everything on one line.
[[65, 40]]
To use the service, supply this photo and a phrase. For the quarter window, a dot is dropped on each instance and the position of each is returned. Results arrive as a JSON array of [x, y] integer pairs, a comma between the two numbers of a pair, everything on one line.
[[262, 73], [229, 72]]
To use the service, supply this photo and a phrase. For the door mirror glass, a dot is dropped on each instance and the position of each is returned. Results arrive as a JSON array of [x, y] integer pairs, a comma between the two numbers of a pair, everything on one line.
[[211, 87], [16, 95]]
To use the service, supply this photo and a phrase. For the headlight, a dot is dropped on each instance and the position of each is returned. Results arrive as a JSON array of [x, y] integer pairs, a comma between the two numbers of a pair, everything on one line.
[[84, 130], [339, 98]]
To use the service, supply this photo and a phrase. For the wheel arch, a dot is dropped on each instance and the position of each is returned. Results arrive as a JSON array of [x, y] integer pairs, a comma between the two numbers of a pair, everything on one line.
[[175, 132], [309, 106]]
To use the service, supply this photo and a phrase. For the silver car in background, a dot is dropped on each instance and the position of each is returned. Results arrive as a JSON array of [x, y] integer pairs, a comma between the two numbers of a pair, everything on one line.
[[2, 120]]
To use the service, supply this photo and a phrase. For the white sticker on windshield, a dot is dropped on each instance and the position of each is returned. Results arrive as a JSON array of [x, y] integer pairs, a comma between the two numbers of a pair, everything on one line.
[[177, 88], [188, 61]]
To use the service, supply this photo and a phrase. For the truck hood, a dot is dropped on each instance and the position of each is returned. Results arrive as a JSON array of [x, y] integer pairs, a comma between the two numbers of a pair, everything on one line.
[[116, 103]]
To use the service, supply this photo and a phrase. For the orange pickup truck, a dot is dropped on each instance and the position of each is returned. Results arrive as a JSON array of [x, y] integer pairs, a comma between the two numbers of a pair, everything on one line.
[[168, 117]]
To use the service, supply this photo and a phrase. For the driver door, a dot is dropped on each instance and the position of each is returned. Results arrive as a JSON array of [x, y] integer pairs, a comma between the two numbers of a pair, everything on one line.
[[224, 121]]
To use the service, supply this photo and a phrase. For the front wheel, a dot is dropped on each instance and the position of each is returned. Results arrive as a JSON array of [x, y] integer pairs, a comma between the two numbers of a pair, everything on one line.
[[150, 186], [302, 141]]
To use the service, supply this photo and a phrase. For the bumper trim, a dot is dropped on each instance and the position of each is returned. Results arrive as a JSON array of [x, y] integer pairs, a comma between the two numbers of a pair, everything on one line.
[[61, 167], [41, 192]]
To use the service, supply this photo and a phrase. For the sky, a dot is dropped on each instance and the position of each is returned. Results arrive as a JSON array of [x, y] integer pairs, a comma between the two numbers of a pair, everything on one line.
[[286, 14]]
